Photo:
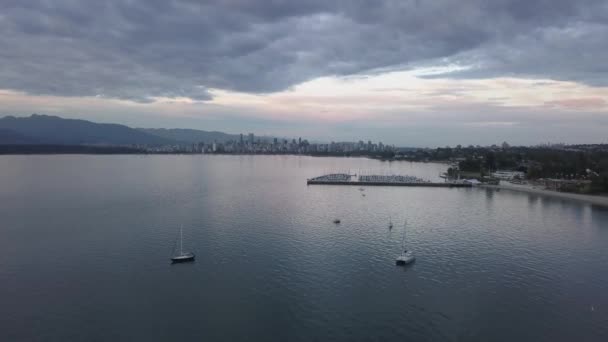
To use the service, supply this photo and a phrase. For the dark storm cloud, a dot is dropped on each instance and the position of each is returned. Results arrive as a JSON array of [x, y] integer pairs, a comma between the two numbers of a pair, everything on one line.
[[141, 49]]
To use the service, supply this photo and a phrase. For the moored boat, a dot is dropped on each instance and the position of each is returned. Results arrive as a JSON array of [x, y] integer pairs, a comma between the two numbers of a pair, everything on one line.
[[406, 257], [182, 257]]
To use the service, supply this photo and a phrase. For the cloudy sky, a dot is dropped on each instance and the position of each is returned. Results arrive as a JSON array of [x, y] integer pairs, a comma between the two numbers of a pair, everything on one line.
[[407, 72]]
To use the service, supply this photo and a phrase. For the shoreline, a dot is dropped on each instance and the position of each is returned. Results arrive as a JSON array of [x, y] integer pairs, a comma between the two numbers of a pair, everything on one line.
[[92, 153], [590, 199]]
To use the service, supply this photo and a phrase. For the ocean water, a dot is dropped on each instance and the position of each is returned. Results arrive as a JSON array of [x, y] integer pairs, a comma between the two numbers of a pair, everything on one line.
[[85, 243]]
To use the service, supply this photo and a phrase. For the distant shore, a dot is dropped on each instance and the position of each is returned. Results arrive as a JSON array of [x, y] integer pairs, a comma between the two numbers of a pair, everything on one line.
[[591, 199], [97, 149]]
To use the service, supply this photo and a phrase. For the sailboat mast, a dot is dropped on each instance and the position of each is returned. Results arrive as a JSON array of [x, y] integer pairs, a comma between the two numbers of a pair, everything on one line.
[[403, 241], [181, 240]]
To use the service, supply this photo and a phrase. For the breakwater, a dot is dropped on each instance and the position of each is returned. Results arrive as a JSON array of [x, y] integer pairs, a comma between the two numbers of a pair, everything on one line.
[[381, 180]]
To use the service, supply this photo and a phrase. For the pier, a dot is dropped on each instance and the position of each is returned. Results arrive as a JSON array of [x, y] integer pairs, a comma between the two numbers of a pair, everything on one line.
[[381, 180]]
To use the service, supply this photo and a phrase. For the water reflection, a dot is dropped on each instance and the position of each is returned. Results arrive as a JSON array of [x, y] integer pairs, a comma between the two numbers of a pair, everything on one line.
[[598, 216], [490, 193], [533, 200]]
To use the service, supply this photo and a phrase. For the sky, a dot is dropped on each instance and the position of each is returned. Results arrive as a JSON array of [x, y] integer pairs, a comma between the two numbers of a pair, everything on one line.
[[405, 72]]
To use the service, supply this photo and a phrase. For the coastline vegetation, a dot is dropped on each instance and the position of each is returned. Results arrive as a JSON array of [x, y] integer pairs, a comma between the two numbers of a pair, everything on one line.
[[585, 166]]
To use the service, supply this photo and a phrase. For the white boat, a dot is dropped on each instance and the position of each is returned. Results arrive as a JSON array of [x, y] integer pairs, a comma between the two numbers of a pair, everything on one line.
[[406, 257], [182, 257]]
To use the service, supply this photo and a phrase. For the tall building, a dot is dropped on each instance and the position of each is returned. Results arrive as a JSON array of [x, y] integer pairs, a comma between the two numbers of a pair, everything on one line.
[[241, 140], [251, 137]]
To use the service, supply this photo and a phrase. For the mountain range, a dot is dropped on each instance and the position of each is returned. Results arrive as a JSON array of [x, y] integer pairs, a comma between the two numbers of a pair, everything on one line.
[[185, 135], [46, 129]]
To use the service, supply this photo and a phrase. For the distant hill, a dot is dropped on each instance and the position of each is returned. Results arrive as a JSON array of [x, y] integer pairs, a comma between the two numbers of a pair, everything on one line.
[[45, 129], [10, 137], [190, 136], [53, 130]]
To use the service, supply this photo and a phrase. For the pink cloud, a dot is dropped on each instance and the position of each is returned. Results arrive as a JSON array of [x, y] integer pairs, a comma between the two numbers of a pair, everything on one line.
[[579, 103]]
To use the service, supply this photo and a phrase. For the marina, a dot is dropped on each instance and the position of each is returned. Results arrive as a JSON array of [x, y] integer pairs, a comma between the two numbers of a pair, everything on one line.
[[382, 180]]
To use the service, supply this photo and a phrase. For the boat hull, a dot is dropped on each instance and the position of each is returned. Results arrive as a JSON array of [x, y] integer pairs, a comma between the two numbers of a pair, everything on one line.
[[405, 259], [183, 258]]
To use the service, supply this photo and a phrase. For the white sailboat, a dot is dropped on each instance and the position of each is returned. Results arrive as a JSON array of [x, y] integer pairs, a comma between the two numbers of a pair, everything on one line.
[[406, 256], [182, 257]]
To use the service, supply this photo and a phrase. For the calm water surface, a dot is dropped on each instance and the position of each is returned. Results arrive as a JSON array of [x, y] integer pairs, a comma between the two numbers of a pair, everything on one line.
[[85, 243]]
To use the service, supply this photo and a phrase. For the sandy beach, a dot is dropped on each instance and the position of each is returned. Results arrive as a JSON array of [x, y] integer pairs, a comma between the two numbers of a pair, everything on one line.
[[592, 199]]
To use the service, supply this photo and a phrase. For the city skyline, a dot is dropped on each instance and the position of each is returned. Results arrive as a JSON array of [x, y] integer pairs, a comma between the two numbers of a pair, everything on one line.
[[52, 130], [524, 72]]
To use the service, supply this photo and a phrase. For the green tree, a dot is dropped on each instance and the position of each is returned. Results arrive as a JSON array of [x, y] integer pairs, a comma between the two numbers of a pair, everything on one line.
[[490, 161]]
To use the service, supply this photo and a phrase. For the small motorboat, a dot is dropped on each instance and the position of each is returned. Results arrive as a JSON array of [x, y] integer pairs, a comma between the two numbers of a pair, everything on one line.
[[337, 221], [407, 257]]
